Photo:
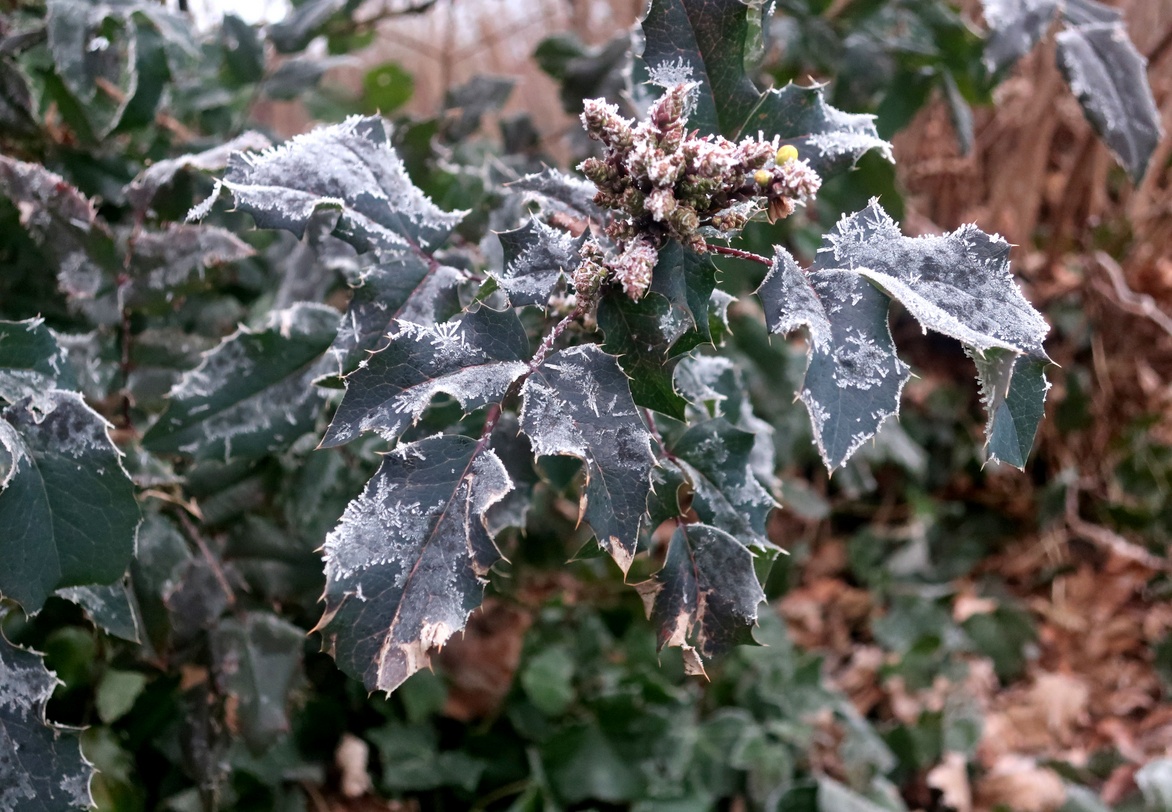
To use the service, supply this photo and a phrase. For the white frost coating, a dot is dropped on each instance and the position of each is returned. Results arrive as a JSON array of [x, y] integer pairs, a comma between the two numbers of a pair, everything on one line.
[[490, 482], [24, 691], [696, 376], [201, 210], [15, 457], [669, 74], [860, 362], [227, 360], [849, 142], [553, 431], [468, 385], [529, 272], [1001, 14]]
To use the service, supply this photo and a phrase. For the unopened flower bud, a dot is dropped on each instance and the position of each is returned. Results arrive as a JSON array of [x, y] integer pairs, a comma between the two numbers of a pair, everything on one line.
[[761, 176], [634, 267], [786, 153]]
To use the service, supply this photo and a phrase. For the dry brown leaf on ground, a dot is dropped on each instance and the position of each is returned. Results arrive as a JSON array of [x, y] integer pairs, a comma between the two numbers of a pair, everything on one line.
[[1020, 784], [951, 778]]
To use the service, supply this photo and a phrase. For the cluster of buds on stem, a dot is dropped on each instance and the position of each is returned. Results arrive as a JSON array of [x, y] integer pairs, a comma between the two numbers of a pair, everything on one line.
[[669, 184]]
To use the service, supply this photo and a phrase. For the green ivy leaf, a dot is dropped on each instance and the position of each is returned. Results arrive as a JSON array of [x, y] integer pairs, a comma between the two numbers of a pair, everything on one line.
[[67, 504], [474, 358], [578, 403], [705, 597], [42, 768], [253, 393], [405, 566]]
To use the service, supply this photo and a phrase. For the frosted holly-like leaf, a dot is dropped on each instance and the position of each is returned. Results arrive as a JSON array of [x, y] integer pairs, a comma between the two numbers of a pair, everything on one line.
[[828, 139], [95, 51], [1015, 27], [717, 457], [536, 257], [688, 281], [401, 287], [1108, 76], [853, 376], [578, 403], [706, 43], [561, 192], [406, 564], [957, 284], [791, 302], [142, 191], [253, 392], [257, 661], [350, 167], [715, 387], [31, 361], [516, 454], [111, 607], [1013, 389], [42, 768], [640, 334], [475, 357], [705, 597], [64, 223], [66, 504], [176, 261]]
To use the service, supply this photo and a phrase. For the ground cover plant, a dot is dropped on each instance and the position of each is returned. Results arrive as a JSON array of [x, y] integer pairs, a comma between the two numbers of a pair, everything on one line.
[[220, 356]]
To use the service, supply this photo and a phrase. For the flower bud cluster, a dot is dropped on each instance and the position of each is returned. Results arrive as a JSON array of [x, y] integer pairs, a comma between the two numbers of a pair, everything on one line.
[[668, 185]]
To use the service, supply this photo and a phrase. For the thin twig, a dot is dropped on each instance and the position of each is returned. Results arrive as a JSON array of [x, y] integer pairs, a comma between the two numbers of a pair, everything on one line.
[[1141, 304], [213, 562], [1109, 539], [739, 254]]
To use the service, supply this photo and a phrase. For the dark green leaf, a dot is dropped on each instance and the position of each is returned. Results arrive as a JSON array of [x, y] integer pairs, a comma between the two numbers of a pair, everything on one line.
[[42, 768], [536, 257], [31, 361], [244, 52], [1108, 77], [853, 378], [1013, 388], [474, 358], [94, 50], [302, 24], [703, 41], [717, 457], [405, 287], [640, 334], [252, 393], [1016, 26], [349, 167], [175, 262], [561, 192], [578, 403], [112, 607], [16, 101], [405, 566], [705, 598], [258, 665], [64, 223], [66, 504], [141, 191]]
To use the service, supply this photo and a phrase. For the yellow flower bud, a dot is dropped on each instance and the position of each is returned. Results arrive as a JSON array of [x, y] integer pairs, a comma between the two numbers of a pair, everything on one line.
[[787, 153], [762, 176]]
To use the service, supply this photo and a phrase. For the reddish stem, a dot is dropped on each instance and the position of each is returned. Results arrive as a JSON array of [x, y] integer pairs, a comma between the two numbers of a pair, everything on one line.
[[739, 254]]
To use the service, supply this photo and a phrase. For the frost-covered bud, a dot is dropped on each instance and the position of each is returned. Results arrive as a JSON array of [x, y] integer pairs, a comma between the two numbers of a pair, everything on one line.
[[671, 109], [632, 201], [729, 220], [754, 154], [666, 169], [601, 173], [591, 271], [634, 267], [779, 209], [684, 220], [660, 203], [603, 123], [798, 179], [786, 153]]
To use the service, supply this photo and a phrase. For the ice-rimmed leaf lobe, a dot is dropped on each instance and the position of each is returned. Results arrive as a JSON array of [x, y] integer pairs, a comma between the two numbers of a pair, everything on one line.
[[536, 257], [475, 357], [406, 564], [578, 403]]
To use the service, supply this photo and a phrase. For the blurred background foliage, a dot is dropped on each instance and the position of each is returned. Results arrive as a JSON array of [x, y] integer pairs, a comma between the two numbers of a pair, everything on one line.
[[943, 635]]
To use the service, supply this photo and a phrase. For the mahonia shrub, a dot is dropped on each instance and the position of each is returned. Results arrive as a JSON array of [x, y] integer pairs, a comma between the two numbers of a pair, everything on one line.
[[578, 350]]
